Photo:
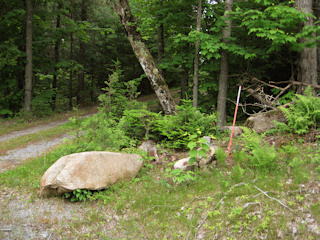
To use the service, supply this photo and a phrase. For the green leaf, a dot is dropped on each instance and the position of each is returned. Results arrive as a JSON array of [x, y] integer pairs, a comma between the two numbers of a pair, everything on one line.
[[193, 153]]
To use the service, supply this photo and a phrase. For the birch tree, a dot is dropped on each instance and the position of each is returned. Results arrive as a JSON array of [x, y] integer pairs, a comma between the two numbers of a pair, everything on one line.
[[144, 56]]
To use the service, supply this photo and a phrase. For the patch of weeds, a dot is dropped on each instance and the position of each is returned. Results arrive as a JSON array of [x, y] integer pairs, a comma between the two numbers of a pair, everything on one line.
[[221, 156], [315, 209], [262, 156], [78, 195], [237, 173]]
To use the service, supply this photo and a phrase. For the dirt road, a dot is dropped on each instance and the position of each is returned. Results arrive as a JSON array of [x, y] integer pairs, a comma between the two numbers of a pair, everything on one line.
[[18, 156]]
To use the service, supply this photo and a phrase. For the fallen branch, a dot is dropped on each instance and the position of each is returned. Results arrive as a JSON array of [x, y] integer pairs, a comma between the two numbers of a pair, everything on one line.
[[298, 83], [5, 229], [264, 193], [250, 203]]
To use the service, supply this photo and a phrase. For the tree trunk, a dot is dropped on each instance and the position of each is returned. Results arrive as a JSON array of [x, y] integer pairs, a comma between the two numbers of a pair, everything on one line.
[[184, 83], [196, 58], [307, 65], [144, 56], [224, 69], [317, 14], [28, 70], [82, 56], [71, 73], [56, 60]]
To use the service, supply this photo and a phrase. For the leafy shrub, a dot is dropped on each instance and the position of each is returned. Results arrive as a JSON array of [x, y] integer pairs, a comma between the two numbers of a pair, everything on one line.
[[118, 94], [139, 123], [176, 129], [262, 156], [103, 133], [303, 114]]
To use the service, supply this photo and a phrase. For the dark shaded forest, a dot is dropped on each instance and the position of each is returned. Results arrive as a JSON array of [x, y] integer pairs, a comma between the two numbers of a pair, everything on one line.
[[56, 55]]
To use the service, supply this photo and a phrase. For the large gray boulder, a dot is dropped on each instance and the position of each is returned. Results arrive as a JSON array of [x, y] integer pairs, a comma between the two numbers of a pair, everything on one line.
[[89, 170]]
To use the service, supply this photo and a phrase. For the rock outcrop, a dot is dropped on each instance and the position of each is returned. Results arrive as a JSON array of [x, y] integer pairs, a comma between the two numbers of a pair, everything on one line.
[[89, 170], [263, 122]]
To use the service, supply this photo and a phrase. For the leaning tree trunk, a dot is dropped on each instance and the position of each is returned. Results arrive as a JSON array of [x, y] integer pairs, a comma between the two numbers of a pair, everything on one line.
[[224, 69], [144, 56], [28, 70], [196, 58], [307, 65]]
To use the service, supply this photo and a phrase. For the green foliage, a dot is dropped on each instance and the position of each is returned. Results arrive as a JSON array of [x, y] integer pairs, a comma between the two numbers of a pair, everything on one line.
[[78, 195], [198, 147], [177, 128], [221, 156], [180, 176], [262, 156], [114, 100], [101, 133], [302, 115], [138, 123]]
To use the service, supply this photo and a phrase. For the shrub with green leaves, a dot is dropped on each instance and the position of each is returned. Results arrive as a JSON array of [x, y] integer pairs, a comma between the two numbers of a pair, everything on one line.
[[139, 123], [119, 95], [101, 133], [302, 115], [176, 129]]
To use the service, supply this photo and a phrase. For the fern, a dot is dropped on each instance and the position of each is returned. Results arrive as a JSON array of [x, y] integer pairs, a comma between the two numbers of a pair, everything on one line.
[[302, 115], [262, 156]]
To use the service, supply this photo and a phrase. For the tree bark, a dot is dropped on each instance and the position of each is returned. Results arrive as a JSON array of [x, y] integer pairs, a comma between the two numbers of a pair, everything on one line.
[[184, 83], [82, 56], [196, 58], [28, 70], [307, 65], [56, 60], [317, 14], [224, 69], [70, 95], [144, 56]]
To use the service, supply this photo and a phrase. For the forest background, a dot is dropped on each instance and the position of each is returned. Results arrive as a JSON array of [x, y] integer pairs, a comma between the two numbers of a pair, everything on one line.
[[58, 54]]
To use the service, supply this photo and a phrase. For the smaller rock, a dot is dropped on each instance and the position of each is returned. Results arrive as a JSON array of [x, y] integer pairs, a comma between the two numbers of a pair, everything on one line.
[[203, 161], [182, 164], [151, 149], [236, 131]]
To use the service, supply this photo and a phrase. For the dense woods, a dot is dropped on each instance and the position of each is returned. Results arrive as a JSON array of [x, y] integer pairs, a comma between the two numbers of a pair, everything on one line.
[[59, 54]]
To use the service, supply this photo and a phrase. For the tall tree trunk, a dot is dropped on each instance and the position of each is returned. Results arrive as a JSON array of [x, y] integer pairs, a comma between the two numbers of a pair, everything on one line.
[[196, 58], [184, 83], [317, 14], [28, 70], [224, 69], [82, 56], [307, 65], [144, 56], [70, 95], [56, 60]]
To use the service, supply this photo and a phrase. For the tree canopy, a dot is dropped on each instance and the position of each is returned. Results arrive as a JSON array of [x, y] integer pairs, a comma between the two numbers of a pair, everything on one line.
[[75, 44]]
